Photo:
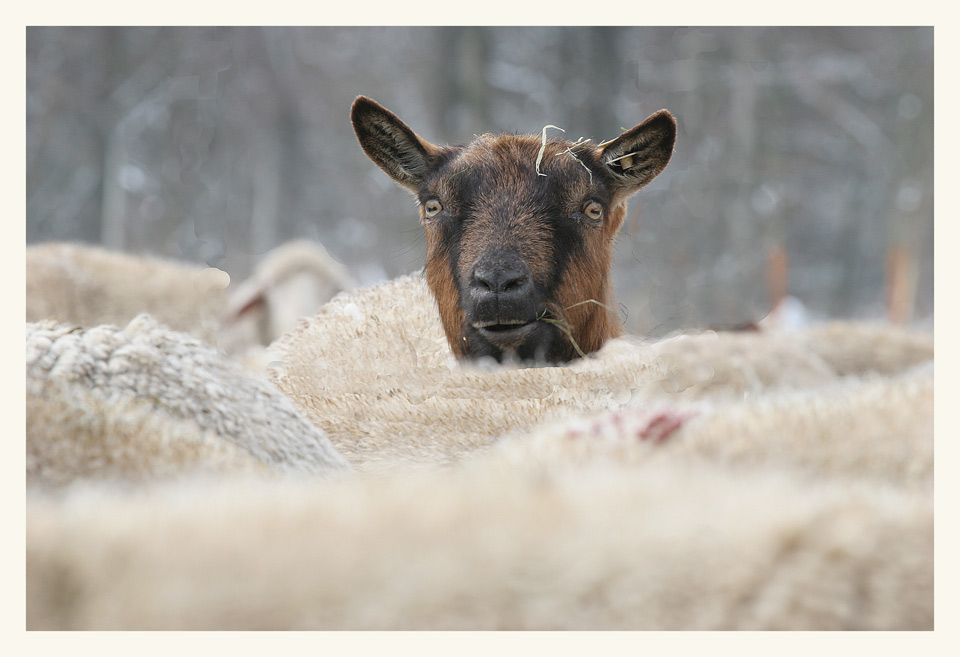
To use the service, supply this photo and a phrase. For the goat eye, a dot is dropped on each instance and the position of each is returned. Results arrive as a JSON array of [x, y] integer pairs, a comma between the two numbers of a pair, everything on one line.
[[432, 207], [593, 210]]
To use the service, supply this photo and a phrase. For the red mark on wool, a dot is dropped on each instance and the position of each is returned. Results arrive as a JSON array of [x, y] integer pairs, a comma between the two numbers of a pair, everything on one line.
[[663, 424]]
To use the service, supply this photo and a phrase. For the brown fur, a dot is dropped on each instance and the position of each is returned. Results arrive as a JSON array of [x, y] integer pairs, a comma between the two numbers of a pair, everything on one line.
[[444, 290], [592, 324], [512, 243]]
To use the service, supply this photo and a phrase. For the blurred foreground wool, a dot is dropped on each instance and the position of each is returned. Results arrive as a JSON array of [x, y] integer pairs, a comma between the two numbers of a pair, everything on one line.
[[712, 481], [592, 545]]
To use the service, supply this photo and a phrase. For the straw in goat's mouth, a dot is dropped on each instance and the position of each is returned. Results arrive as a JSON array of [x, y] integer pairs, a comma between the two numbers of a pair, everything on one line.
[[562, 324]]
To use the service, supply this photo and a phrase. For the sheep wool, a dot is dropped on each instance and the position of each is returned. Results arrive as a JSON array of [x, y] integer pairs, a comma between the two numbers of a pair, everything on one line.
[[714, 481], [290, 282], [374, 371], [588, 546], [412, 403], [873, 430], [88, 286], [144, 399]]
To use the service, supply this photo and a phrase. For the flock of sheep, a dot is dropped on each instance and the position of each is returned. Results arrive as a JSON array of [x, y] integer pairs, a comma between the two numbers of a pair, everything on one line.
[[199, 457]]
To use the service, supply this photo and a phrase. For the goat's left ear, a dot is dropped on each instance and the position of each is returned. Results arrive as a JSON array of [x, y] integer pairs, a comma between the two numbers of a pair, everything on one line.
[[638, 155], [394, 147]]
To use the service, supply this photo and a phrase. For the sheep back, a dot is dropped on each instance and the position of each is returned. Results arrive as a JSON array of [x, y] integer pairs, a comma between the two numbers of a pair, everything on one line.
[[88, 286], [373, 370], [121, 402]]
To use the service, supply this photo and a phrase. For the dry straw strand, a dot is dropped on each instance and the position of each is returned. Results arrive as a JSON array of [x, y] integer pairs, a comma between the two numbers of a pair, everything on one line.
[[543, 146]]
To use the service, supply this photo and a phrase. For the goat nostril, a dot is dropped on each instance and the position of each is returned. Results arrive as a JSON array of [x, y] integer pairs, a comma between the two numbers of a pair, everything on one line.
[[514, 283], [484, 281]]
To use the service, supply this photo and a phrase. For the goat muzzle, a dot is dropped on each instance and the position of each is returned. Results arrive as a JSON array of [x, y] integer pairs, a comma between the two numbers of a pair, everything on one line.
[[502, 299]]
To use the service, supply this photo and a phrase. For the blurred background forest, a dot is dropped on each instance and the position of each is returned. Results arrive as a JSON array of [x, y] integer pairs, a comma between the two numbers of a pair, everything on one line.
[[804, 161]]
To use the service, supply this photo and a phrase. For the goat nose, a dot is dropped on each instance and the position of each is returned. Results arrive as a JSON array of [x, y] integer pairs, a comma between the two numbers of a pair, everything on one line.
[[501, 291], [499, 279]]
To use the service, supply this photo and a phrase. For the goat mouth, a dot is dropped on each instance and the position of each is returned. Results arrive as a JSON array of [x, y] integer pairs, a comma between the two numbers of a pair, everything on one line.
[[505, 332]]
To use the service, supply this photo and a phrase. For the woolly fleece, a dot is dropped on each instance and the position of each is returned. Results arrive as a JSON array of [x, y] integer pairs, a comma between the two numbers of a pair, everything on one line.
[[111, 402], [795, 490]]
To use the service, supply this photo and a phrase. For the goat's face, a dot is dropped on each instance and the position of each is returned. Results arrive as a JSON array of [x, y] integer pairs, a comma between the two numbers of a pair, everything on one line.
[[519, 230]]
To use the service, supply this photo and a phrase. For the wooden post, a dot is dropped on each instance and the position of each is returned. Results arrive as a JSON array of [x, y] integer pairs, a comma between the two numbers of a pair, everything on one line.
[[901, 283], [777, 275]]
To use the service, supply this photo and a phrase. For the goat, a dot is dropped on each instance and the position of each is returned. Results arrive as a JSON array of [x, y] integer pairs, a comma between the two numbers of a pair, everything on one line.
[[519, 229]]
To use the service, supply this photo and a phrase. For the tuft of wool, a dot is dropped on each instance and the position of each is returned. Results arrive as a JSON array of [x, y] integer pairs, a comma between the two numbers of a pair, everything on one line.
[[141, 399]]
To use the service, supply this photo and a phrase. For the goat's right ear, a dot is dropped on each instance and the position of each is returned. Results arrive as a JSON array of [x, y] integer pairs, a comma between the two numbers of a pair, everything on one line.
[[639, 154], [393, 146]]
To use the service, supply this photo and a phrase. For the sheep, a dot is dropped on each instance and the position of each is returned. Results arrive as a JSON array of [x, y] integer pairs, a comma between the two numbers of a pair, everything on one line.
[[145, 402], [416, 404], [738, 364], [519, 229], [595, 545], [89, 286], [290, 282], [882, 349], [871, 429]]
